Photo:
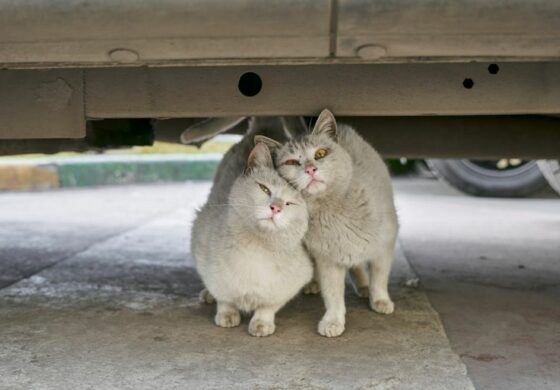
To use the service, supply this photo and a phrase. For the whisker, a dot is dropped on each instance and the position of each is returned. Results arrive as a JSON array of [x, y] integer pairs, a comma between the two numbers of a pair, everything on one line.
[[231, 204], [299, 181]]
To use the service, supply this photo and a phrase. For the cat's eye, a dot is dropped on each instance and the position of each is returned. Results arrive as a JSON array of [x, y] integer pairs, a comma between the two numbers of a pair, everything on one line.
[[264, 189], [320, 153], [291, 162], [290, 203]]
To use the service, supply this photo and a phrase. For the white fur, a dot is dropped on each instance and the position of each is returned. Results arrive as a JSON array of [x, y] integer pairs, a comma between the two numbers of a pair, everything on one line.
[[353, 222], [246, 261]]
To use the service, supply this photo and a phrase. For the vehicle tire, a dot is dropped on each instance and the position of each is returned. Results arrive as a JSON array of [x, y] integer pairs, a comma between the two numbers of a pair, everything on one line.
[[484, 178], [550, 169]]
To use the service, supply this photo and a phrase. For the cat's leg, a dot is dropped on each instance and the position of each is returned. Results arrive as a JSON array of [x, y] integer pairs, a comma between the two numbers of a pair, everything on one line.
[[379, 270], [262, 323], [205, 297], [227, 316], [331, 278], [360, 278], [313, 286]]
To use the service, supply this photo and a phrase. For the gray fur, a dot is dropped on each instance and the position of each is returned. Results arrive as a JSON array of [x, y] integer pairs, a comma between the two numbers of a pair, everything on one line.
[[247, 261], [353, 222]]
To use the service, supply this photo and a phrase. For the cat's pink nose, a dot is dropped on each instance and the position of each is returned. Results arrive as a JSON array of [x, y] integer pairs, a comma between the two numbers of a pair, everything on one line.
[[311, 169], [275, 209]]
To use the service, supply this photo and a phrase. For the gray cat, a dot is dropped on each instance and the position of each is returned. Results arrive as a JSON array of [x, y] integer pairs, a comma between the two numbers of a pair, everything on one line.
[[247, 242], [353, 222]]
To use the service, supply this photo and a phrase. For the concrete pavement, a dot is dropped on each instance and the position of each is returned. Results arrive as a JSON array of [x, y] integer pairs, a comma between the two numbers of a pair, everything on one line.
[[97, 291], [491, 269]]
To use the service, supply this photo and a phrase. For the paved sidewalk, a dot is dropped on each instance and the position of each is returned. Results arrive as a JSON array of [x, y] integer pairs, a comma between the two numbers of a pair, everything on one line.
[[100, 293], [491, 269], [97, 290]]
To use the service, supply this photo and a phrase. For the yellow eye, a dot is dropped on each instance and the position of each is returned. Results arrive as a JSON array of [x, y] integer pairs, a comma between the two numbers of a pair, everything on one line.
[[320, 153], [291, 162], [265, 189]]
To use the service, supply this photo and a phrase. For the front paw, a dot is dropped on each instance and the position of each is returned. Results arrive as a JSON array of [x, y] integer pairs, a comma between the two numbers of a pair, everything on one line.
[[205, 297], [228, 319], [260, 328], [331, 328], [312, 288], [383, 306]]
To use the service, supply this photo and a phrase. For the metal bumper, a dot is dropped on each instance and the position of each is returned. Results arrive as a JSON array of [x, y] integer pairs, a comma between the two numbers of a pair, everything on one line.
[[56, 33]]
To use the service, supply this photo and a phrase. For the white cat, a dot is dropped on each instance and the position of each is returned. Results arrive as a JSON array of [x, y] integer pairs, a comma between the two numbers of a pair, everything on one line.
[[353, 221], [248, 249]]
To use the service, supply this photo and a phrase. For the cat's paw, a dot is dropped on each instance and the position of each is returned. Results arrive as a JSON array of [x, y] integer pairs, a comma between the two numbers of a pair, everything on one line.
[[383, 306], [260, 328], [363, 292], [205, 297], [330, 328], [312, 288], [228, 319]]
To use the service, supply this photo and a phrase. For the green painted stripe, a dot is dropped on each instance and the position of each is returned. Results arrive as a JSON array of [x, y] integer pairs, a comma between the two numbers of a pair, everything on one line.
[[115, 173]]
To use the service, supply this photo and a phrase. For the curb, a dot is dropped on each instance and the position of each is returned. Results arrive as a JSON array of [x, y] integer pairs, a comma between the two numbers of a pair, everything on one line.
[[48, 173]]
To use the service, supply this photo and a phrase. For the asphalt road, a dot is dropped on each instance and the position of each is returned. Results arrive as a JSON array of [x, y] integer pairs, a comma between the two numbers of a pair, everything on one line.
[[97, 290]]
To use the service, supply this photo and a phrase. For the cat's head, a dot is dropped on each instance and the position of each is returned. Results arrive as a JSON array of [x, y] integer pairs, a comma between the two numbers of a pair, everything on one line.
[[314, 163], [263, 200]]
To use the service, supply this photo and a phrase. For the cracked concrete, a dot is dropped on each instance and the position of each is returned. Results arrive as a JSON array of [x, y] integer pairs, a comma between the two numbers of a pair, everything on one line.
[[99, 292]]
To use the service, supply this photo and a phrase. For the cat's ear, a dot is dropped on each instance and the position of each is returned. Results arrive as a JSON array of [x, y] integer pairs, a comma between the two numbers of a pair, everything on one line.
[[326, 124], [273, 145], [259, 157]]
